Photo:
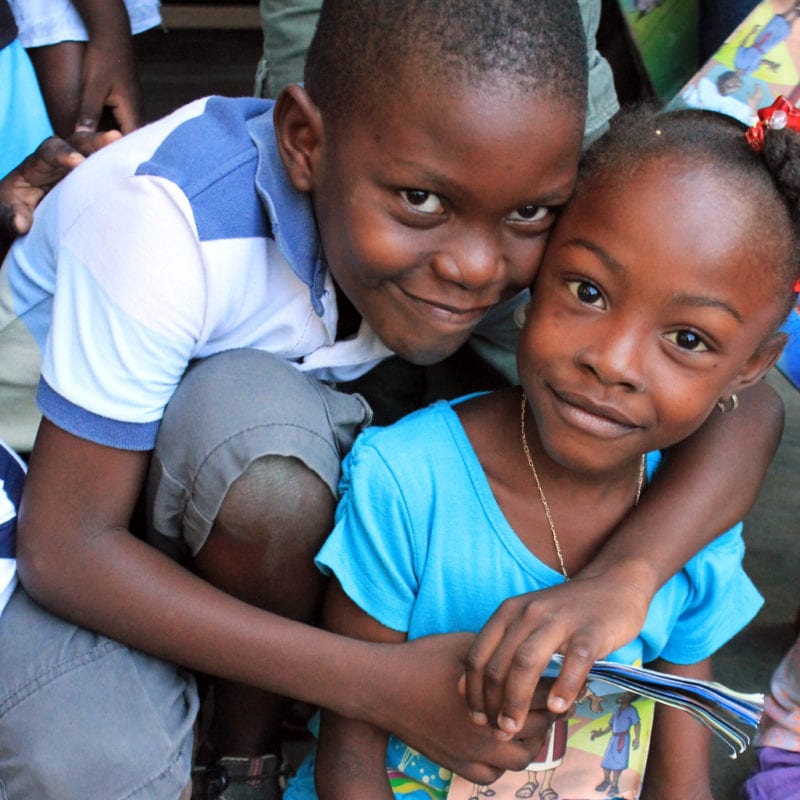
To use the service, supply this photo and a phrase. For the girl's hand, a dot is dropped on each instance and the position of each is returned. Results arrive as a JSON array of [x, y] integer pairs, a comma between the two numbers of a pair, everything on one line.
[[584, 619]]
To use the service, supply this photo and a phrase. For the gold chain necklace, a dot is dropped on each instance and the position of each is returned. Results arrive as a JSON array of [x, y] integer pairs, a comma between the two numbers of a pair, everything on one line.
[[545, 506]]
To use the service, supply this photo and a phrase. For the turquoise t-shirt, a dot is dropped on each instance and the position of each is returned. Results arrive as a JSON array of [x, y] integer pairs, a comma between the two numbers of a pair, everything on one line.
[[421, 545]]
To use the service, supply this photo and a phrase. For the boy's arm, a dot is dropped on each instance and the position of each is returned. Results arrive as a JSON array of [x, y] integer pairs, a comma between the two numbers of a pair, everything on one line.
[[78, 559], [351, 756], [679, 761], [707, 483]]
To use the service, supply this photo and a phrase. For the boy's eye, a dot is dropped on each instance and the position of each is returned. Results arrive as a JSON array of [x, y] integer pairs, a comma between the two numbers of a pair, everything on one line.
[[422, 201], [587, 293], [530, 213], [688, 340]]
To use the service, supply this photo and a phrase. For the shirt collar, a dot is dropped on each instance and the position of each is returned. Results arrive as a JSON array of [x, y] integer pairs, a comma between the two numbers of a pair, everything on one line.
[[290, 211]]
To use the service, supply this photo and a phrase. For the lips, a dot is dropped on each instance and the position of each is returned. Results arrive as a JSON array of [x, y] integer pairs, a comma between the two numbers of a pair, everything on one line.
[[447, 313], [596, 417]]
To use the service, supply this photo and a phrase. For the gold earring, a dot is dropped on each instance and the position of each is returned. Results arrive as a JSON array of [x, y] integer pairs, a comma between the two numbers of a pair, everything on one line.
[[731, 404]]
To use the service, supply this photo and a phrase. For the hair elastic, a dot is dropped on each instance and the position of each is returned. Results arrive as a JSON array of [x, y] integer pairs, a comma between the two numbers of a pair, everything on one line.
[[781, 114]]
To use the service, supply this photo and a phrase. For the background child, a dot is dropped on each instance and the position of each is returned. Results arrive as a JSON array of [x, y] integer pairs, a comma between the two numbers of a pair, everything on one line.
[[23, 117], [777, 776], [652, 305], [82, 51], [239, 261]]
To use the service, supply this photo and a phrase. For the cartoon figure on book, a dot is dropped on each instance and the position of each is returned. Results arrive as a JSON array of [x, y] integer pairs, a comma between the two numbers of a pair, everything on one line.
[[623, 719], [758, 42], [652, 308]]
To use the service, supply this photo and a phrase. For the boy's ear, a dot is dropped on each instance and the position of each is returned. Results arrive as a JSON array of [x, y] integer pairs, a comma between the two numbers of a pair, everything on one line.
[[760, 362], [298, 128]]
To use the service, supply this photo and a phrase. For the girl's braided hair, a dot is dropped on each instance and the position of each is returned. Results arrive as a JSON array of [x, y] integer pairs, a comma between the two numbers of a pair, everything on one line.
[[769, 180]]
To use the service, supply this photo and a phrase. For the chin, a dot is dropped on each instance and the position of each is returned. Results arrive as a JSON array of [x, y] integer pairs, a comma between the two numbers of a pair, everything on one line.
[[425, 357]]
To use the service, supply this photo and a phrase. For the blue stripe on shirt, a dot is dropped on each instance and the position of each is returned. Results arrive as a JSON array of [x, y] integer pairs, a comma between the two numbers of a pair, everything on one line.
[[94, 427]]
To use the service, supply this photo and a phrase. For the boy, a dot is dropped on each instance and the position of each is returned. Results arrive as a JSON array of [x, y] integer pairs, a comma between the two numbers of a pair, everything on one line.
[[411, 184]]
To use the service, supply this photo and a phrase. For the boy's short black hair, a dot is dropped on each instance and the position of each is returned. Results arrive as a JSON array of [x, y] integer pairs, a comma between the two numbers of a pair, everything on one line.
[[362, 47]]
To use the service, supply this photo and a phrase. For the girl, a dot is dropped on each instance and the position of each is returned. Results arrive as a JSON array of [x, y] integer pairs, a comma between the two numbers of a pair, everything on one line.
[[659, 298]]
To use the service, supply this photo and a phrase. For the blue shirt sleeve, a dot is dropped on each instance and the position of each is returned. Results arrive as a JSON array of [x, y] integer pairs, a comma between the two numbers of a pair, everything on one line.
[[372, 551]]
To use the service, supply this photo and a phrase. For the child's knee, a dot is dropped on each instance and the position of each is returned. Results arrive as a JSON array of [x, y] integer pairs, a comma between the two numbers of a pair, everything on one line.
[[265, 452], [277, 500]]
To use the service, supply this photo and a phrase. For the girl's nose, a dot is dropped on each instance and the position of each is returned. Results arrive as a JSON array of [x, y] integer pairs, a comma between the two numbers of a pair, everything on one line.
[[616, 357]]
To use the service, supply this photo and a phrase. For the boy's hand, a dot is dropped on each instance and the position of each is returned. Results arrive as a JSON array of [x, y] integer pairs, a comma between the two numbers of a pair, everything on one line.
[[584, 619], [419, 703], [24, 187]]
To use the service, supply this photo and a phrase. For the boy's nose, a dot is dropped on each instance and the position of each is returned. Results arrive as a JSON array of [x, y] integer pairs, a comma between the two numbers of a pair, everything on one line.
[[474, 263]]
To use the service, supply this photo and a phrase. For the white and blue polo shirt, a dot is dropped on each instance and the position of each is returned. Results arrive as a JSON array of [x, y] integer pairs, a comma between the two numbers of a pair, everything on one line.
[[181, 240]]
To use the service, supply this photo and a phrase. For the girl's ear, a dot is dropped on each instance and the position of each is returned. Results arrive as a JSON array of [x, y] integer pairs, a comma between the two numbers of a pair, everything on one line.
[[298, 128], [760, 362]]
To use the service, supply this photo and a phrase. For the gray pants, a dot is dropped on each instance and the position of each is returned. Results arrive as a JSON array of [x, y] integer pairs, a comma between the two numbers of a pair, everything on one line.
[[84, 717]]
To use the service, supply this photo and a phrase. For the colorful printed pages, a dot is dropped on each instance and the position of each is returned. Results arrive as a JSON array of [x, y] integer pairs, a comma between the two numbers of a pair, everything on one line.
[[601, 750]]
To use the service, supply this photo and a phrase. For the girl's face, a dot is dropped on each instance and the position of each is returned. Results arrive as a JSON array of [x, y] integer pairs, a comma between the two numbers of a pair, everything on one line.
[[650, 306]]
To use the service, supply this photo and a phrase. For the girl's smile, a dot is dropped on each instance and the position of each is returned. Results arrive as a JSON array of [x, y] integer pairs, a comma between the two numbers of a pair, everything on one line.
[[650, 305]]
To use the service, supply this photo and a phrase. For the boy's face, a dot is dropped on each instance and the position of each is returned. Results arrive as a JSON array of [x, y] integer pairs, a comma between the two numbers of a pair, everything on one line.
[[649, 306], [434, 209]]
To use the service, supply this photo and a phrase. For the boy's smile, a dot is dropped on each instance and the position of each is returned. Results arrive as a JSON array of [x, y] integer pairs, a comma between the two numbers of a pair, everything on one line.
[[650, 305], [435, 209]]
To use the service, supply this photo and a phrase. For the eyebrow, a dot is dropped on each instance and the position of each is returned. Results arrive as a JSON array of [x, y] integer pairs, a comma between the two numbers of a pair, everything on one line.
[[618, 269]]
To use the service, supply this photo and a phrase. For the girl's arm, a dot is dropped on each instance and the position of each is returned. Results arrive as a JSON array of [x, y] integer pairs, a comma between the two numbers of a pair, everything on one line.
[[351, 755], [706, 484], [679, 762]]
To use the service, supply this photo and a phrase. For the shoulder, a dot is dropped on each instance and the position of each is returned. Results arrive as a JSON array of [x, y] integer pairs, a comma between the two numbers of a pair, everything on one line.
[[198, 163], [210, 133], [414, 454], [212, 158], [411, 437]]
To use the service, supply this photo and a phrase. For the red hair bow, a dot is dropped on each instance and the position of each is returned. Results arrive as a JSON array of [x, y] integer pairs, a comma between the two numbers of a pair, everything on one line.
[[781, 114]]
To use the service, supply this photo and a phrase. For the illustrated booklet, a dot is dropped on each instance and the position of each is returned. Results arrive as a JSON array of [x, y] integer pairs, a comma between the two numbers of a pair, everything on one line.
[[600, 750]]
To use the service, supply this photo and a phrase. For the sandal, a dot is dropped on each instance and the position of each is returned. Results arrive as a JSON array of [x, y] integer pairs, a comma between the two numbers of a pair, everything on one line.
[[233, 778], [528, 790], [548, 794]]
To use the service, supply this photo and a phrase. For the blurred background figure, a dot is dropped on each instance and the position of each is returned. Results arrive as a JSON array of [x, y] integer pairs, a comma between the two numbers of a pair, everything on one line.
[[82, 51]]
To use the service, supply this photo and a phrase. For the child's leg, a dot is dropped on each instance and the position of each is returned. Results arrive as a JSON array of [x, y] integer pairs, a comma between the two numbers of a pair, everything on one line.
[[82, 716], [245, 477]]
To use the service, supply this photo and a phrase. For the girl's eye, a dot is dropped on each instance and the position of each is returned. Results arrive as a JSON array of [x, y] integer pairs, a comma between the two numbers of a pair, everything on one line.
[[587, 293], [422, 201], [688, 340], [530, 213]]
